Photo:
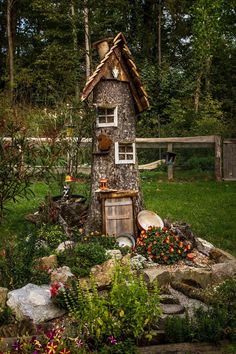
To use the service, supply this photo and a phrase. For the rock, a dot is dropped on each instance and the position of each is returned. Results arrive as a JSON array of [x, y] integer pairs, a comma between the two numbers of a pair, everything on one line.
[[62, 275], [191, 291], [48, 262], [168, 299], [3, 297], [204, 246], [102, 273], [65, 245], [114, 254], [33, 302], [163, 276], [220, 256], [222, 271], [126, 260], [193, 275], [172, 309]]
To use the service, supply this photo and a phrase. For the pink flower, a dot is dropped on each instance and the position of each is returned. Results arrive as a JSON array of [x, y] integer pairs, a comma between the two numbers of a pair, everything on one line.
[[112, 340]]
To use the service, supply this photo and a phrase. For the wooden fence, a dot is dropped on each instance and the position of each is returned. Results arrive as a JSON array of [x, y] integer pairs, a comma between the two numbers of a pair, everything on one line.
[[224, 151]]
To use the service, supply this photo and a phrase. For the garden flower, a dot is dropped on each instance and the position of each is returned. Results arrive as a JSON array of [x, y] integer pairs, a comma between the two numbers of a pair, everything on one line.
[[51, 347], [112, 340], [64, 351], [51, 334], [79, 343], [16, 345]]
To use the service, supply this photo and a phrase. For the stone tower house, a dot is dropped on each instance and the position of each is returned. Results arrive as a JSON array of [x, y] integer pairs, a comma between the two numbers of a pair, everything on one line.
[[117, 97]]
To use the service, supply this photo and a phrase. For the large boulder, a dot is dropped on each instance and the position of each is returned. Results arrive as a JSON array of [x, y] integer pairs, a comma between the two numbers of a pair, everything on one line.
[[33, 302]]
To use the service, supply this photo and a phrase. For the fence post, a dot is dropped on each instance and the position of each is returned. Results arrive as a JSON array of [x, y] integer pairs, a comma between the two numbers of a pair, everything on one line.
[[218, 158], [170, 169]]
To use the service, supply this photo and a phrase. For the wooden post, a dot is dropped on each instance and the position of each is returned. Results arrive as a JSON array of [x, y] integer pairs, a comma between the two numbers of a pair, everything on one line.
[[218, 158], [170, 169]]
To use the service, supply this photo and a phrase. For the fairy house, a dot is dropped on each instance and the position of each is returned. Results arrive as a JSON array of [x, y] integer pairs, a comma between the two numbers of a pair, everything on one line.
[[117, 97]]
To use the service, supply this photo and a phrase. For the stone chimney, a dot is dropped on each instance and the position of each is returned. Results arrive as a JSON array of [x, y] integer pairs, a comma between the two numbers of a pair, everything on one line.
[[102, 47]]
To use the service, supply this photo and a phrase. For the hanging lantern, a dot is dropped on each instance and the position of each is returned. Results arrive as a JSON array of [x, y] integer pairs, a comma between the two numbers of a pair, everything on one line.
[[103, 183], [69, 179], [170, 157]]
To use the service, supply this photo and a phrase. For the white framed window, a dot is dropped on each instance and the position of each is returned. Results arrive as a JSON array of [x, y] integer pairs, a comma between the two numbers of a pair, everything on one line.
[[107, 117], [124, 153]]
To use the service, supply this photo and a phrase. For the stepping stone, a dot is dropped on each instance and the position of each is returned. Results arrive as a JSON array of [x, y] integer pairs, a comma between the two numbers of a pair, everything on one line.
[[172, 309], [168, 299]]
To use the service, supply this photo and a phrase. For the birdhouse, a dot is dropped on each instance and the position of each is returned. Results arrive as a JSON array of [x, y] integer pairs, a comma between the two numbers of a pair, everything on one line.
[[117, 97]]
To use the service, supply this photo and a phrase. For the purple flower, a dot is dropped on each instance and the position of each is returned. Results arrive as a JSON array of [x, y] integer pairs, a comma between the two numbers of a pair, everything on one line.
[[112, 340], [79, 343], [16, 345], [51, 334]]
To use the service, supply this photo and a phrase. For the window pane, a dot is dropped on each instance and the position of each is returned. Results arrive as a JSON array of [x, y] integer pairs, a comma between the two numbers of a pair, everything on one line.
[[101, 111], [102, 119], [110, 111], [129, 148], [129, 157], [110, 119], [122, 157], [122, 148]]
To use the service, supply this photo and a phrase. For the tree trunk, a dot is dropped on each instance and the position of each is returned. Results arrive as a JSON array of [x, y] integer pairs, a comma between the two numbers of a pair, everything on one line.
[[10, 4], [75, 41], [159, 33], [87, 40], [197, 92]]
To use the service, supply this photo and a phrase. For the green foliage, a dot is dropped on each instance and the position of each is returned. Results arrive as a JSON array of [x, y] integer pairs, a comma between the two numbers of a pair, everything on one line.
[[123, 347], [217, 322], [199, 163], [124, 313], [81, 258], [6, 316], [177, 329], [108, 242], [18, 266], [52, 235]]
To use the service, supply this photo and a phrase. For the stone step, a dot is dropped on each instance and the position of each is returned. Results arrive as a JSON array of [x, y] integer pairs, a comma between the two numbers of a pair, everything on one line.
[[172, 309], [168, 299]]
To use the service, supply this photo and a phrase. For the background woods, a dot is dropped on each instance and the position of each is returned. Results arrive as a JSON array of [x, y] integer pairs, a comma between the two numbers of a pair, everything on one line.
[[184, 50]]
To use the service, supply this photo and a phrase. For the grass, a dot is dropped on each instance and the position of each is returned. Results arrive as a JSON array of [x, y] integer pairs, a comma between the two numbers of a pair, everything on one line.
[[208, 206]]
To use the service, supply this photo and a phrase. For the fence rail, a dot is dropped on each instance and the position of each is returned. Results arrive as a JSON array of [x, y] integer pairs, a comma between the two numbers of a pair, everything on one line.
[[210, 141]]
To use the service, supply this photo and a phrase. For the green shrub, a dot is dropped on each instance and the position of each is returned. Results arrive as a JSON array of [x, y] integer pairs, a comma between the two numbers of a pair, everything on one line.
[[81, 258], [18, 262], [217, 322], [126, 312], [52, 235], [6, 316]]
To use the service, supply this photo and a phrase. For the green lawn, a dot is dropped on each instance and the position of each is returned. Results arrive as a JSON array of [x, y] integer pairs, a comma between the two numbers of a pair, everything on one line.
[[208, 206]]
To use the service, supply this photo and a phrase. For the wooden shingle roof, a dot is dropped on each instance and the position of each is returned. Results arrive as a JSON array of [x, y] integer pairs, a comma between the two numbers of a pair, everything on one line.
[[119, 57]]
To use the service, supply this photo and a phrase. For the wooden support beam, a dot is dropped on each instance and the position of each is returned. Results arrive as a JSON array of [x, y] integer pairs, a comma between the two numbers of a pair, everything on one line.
[[170, 169], [218, 158]]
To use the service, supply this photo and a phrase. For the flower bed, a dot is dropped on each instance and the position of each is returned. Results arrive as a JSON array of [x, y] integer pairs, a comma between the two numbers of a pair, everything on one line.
[[162, 245]]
